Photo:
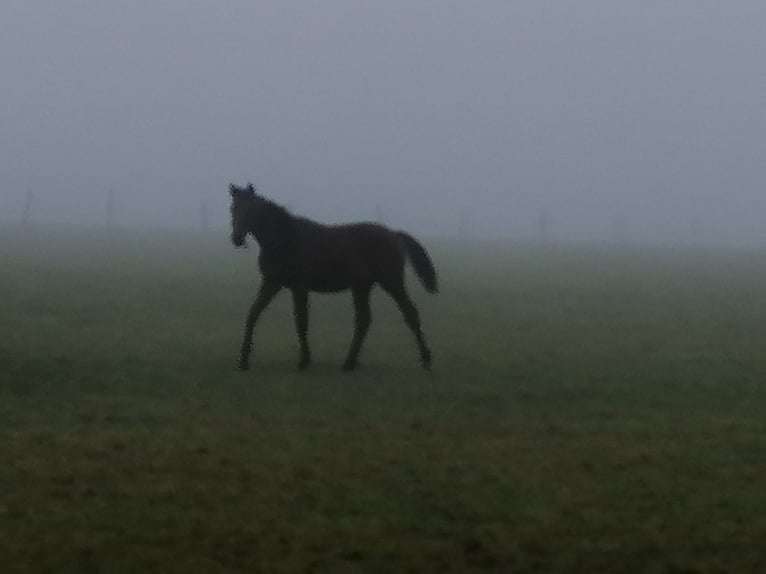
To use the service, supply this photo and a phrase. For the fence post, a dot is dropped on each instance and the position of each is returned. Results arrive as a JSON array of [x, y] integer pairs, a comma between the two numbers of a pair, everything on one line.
[[544, 223], [203, 220], [26, 214], [462, 223], [696, 231], [110, 210], [620, 228]]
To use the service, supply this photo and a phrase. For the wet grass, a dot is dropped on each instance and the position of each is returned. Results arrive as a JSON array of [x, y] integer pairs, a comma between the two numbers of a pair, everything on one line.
[[590, 410]]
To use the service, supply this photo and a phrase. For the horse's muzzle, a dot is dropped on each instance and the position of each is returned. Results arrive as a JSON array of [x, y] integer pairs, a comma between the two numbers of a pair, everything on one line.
[[238, 240]]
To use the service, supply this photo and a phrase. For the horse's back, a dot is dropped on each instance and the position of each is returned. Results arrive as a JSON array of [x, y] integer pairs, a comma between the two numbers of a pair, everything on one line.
[[337, 257]]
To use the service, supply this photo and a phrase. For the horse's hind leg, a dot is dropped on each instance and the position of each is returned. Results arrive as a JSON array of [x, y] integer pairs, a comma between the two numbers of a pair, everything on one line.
[[399, 294], [265, 295], [301, 312], [362, 320]]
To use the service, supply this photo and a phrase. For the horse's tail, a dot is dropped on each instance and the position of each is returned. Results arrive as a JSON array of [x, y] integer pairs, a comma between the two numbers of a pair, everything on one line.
[[421, 262]]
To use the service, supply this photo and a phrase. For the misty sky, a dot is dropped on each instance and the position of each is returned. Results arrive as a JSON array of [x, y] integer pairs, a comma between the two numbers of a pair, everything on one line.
[[653, 109]]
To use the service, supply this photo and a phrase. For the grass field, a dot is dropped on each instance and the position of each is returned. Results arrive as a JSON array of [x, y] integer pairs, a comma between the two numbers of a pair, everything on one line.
[[590, 410]]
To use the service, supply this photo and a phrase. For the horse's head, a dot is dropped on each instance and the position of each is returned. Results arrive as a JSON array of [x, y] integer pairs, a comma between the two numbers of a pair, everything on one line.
[[242, 201]]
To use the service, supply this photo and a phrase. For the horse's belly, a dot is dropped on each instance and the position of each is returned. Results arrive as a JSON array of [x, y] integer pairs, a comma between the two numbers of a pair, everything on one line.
[[333, 278], [328, 284]]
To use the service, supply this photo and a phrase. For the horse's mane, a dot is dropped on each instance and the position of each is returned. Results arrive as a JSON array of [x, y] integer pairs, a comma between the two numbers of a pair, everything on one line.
[[274, 225], [274, 211]]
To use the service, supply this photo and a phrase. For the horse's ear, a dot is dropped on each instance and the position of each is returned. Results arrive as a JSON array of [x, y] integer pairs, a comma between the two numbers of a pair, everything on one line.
[[250, 189], [233, 189]]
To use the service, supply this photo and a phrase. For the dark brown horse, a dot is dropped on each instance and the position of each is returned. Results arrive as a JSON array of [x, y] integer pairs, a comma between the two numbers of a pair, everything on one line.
[[302, 255]]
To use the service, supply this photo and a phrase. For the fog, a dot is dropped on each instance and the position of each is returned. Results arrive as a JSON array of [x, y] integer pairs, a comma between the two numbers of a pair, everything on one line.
[[638, 121]]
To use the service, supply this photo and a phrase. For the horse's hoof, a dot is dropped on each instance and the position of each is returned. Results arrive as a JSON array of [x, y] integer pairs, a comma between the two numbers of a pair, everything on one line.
[[244, 365], [426, 360], [348, 367]]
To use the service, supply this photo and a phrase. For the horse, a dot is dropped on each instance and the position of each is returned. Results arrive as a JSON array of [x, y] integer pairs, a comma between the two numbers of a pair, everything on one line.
[[302, 256]]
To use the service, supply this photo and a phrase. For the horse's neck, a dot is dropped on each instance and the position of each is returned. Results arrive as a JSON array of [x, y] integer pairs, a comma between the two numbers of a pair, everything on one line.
[[275, 236], [267, 242]]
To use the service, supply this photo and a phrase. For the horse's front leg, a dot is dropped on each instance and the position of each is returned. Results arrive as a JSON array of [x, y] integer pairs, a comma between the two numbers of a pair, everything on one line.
[[265, 294], [301, 312]]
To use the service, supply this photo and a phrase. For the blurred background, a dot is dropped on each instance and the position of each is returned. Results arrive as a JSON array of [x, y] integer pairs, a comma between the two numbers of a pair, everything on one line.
[[593, 121]]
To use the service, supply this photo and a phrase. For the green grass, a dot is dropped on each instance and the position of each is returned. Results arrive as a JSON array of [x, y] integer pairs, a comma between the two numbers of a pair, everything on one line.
[[590, 410]]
